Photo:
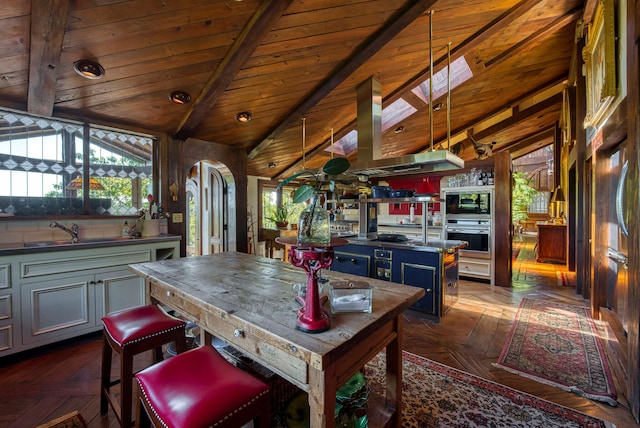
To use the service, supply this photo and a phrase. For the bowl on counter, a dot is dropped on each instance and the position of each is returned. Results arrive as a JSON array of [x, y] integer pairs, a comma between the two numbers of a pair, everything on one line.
[[380, 191], [401, 193]]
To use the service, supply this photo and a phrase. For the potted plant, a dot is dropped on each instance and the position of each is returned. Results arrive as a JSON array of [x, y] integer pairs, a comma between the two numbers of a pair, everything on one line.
[[280, 216], [313, 225], [522, 195]]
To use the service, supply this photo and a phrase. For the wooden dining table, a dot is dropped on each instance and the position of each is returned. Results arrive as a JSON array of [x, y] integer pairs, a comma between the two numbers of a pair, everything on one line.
[[248, 301]]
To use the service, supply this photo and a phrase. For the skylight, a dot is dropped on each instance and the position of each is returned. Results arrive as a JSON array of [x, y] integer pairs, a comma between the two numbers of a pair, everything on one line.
[[460, 73]]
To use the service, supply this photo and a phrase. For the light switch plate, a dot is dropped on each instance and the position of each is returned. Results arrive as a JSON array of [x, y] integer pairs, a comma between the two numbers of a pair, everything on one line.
[[176, 217]]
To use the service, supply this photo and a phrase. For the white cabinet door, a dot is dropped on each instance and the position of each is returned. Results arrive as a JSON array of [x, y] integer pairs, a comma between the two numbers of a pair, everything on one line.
[[118, 290], [57, 309]]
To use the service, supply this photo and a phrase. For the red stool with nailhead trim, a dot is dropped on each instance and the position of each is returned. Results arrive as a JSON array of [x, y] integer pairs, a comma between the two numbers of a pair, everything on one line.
[[131, 332], [199, 389]]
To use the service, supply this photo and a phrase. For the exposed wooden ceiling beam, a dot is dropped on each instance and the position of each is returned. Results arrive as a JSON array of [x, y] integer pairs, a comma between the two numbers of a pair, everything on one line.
[[519, 116], [392, 28], [48, 21], [267, 15], [571, 16], [523, 143]]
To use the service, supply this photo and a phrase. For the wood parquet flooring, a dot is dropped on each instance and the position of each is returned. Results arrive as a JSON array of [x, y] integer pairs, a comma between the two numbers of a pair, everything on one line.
[[41, 385]]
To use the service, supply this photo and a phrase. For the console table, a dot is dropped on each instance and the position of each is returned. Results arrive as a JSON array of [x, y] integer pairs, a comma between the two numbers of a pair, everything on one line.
[[552, 243]]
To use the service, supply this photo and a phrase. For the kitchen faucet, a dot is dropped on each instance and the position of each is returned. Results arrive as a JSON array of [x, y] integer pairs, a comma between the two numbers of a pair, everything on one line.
[[73, 231]]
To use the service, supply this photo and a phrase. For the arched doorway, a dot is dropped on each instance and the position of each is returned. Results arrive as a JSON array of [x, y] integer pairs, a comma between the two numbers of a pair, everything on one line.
[[210, 217]]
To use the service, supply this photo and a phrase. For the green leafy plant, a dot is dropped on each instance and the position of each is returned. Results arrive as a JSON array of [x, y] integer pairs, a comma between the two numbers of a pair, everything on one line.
[[279, 214], [315, 179], [522, 195], [313, 182]]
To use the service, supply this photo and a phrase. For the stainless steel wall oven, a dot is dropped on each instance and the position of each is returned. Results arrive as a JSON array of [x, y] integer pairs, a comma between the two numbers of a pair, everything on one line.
[[475, 230]]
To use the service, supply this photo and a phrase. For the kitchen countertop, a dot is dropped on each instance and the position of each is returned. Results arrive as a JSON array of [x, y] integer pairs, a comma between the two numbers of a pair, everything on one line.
[[432, 245], [66, 245]]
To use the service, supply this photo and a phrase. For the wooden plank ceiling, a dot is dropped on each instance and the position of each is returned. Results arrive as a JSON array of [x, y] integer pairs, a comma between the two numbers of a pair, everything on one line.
[[283, 60]]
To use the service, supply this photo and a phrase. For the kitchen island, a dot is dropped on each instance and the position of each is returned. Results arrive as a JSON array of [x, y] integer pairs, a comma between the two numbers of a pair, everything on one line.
[[432, 266], [248, 302]]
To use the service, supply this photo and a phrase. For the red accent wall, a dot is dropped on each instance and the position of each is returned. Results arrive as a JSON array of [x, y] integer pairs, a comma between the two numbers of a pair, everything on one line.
[[417, 184]]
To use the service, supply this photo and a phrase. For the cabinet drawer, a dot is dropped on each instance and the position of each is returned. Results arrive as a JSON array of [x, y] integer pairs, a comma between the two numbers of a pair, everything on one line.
[[355, 264], [475, 268]]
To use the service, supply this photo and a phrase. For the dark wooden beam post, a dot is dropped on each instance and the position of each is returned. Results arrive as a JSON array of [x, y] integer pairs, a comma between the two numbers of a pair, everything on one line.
[[502, 229], [48, 20]]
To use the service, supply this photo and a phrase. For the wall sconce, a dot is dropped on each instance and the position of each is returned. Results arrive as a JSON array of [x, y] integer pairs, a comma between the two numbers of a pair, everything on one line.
[[243, 117], [173, 189], [88, 69], [180, 97]]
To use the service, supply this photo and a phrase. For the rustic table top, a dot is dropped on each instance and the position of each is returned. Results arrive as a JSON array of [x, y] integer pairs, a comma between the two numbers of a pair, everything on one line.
[[258, 290]]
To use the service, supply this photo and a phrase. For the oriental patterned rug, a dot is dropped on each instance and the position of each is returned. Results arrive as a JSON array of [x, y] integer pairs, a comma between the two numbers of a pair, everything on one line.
[[435, 395], [558, 344]]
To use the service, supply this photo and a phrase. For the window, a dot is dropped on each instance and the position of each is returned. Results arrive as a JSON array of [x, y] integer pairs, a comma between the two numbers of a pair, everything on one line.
[[271, 199], [43, 162], [540, 204]]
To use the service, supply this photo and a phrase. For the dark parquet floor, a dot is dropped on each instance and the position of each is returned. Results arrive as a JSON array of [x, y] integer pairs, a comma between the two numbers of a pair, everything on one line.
[[44, 384]]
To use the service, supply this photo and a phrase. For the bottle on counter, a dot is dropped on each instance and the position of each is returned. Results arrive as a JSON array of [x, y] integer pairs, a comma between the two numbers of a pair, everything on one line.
[[126, 229], [490, 179]]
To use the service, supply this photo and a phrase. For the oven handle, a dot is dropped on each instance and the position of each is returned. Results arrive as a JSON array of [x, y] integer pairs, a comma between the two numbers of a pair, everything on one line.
[[471, 231]]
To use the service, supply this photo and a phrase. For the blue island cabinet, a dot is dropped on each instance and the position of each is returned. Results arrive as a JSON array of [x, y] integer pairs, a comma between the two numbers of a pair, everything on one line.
[[420, 269], [353, 259]]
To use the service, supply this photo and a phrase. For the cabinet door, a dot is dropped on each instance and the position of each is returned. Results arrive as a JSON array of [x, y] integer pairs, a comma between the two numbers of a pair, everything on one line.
[[420, 269], [424, 277], [353, 259], [57, 309], [118, 290]]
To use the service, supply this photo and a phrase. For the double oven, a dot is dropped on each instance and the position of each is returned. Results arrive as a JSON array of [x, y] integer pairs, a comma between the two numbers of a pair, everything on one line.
[[469, 218]]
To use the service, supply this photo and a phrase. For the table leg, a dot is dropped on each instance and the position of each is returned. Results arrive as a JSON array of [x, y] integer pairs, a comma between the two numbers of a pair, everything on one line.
[[394, 374], [322, 398]]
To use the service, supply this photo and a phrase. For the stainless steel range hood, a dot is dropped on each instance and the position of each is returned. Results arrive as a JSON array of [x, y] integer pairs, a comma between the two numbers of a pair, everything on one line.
[[370, 162]]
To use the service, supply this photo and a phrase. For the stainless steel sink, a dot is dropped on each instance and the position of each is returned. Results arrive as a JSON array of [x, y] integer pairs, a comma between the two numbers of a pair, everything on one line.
[[47, 243], [41, 244]]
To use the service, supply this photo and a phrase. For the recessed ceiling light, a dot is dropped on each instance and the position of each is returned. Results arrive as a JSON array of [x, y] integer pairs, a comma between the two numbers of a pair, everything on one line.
[[399, 129], [243, 117], [88, 69], [437, 107], [179, 97], [272, 164]]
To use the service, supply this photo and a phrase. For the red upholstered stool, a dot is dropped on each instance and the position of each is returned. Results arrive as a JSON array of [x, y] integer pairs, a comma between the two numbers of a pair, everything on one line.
[[129, 333], [199, 389]]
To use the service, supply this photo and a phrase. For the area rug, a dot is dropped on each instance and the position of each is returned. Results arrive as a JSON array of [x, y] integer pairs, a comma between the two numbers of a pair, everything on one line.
[[435, 395], [558, 345], [71, 420], [566, 279]]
